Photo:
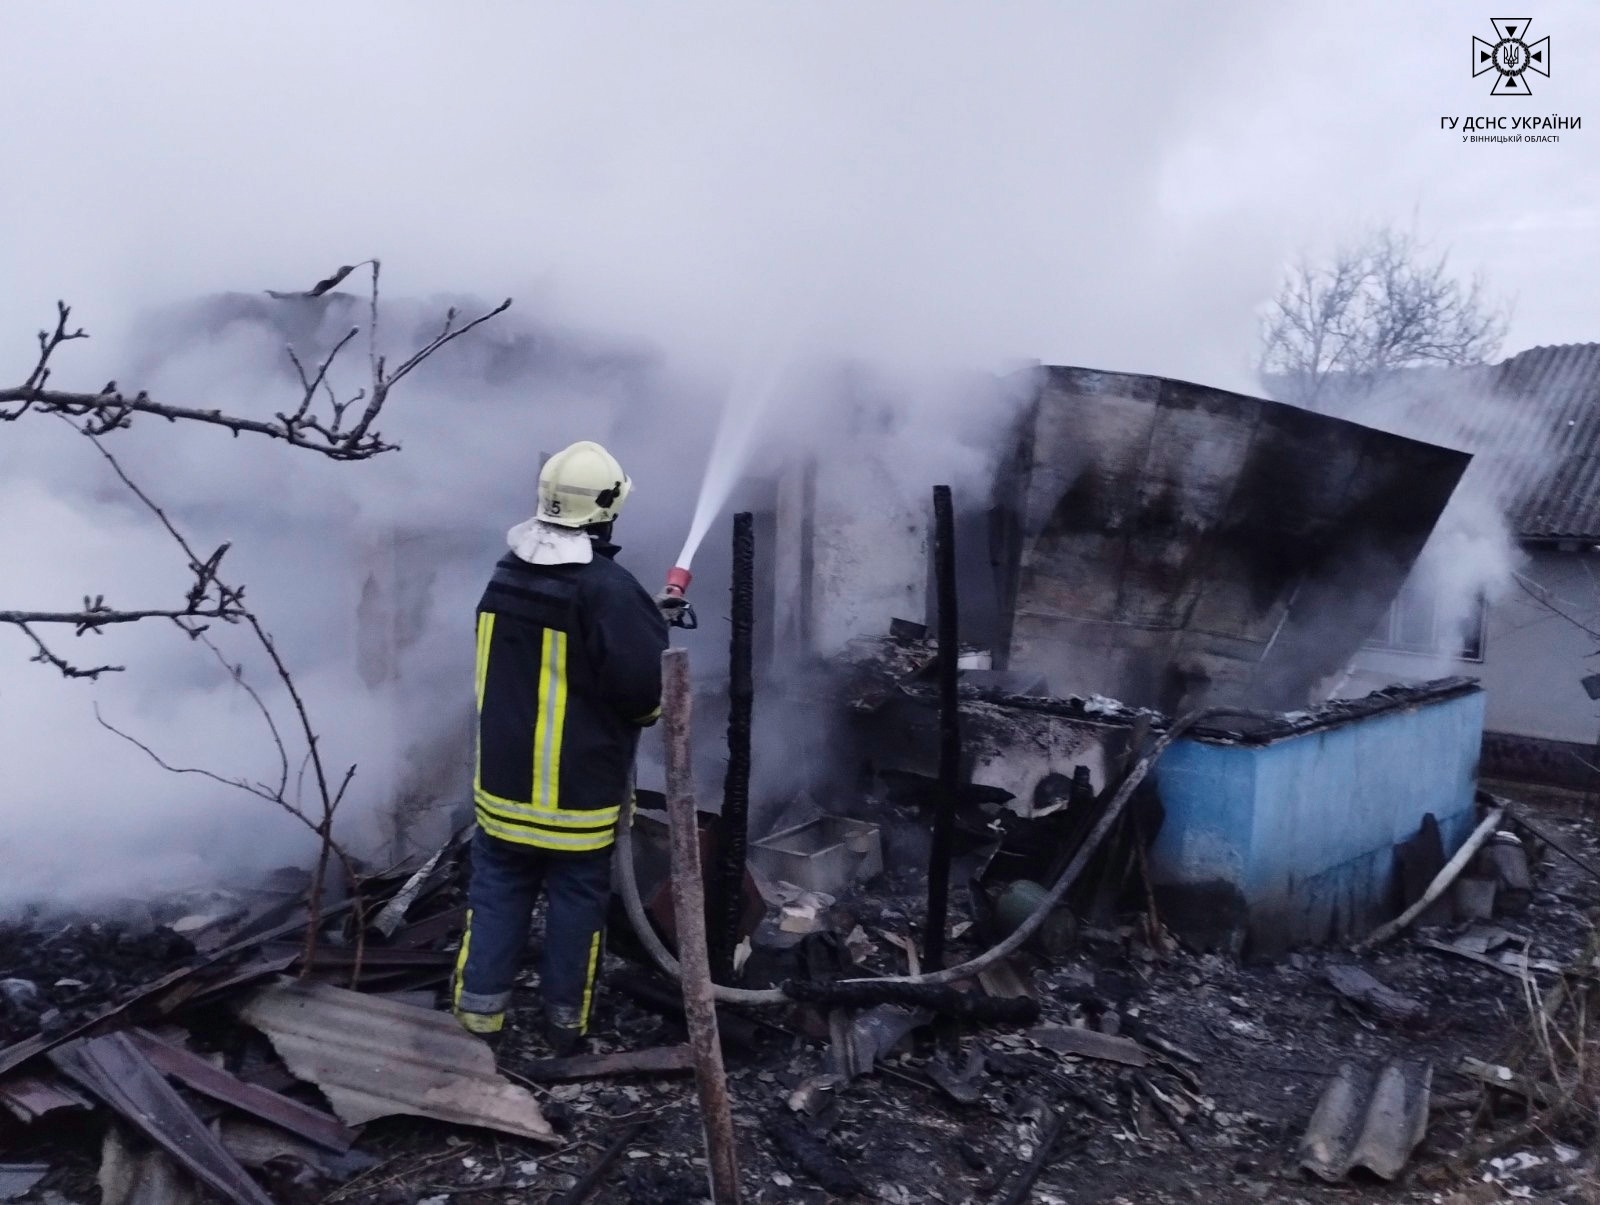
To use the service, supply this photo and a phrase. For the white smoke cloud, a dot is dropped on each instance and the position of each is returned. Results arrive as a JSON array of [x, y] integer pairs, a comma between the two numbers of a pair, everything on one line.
[[929, 191]]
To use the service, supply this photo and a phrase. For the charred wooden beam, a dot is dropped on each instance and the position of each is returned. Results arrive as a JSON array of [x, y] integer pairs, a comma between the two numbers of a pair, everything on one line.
[[655, 1060], [948, 1001], [944, 567], [729, 892], [591, 1179]]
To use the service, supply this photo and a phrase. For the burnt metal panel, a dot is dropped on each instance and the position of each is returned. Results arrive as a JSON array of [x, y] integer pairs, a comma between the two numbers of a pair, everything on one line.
[[113, 1069], [1179, 544], [373, 1058], [310, 1124], [29, 1097]]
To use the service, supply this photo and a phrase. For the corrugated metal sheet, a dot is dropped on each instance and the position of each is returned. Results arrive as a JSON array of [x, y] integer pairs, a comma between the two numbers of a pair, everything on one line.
[[29, 1097], [1554, 462], [112, 1068], [373, 1058]]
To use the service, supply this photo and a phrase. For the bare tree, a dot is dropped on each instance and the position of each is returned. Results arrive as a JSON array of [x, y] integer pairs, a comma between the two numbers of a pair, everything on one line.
[[321, 422], [1380, 305]]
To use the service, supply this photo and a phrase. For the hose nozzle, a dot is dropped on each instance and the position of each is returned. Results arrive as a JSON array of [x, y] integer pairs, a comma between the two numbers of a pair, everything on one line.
[[678, 581]]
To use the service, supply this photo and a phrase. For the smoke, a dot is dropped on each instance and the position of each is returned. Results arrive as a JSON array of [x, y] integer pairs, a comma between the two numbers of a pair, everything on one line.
[[1473, 554], [926, 195]]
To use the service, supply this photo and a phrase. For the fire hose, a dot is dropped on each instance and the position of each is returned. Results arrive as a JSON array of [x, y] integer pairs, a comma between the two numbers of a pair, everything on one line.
[[1108, 818]]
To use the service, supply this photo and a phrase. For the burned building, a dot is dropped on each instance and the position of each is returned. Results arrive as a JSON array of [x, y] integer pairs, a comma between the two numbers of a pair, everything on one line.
[[1167, 546]]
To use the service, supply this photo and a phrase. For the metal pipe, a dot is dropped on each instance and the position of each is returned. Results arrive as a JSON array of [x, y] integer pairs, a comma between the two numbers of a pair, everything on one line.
[[729, 890], [944, 569], [689, 908]]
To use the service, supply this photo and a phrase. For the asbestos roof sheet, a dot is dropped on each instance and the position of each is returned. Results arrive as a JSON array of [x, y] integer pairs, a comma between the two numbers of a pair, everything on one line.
[[1556, 494], [374, 1057], [1532, 423], [1367, 1120]]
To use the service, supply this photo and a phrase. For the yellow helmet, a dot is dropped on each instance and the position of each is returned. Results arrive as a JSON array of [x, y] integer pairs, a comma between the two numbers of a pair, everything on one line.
[[581, 485]]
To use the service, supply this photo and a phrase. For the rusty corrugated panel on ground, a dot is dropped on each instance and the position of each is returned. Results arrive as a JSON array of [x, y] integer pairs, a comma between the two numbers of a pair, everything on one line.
[[1367, 1120], [113, 1069], [216, 1083], [31, 1096], [374, 1058]]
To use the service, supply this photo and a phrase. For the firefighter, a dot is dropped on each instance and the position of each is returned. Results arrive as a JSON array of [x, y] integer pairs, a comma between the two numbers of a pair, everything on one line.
[[568, 673]]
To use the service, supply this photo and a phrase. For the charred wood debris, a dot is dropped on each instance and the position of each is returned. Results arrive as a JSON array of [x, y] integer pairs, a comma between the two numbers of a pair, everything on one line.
[[185, 1050]]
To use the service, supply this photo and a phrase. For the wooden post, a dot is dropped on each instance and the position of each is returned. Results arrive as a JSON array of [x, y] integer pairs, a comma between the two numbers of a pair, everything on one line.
[[728, 896], [689, 908], [944, 817]]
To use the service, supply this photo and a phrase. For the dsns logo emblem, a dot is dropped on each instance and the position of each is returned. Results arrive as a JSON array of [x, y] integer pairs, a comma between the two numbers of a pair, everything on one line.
[[1511, 56]]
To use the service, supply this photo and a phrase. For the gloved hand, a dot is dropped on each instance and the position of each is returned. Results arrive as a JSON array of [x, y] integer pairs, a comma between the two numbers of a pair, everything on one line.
[[675, 609]]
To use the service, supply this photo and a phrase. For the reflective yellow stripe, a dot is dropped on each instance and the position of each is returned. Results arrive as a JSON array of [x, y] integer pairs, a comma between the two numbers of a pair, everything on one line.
[[558, 719], [539, 791], [650, 717], [461, 959], [485, 634], [481, 677], [552, 721], [523, 834], [588, 983], [527, 813]]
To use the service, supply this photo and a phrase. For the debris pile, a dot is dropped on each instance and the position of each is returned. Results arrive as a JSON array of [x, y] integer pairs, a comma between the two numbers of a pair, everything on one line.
[[1109, 1062], [199, 1049]]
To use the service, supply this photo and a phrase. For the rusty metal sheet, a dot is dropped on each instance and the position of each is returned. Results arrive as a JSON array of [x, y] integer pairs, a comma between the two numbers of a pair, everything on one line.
[[374, 1058], [311, 1124], [31, 1096], [1368, 1120], [113, 1069]]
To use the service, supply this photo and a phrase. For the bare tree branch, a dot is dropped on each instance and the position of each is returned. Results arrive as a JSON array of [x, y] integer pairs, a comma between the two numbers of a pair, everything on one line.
[[111, 410], [209, 595], [46, 657], [1543, 597], [1376, 307], [207, 584]]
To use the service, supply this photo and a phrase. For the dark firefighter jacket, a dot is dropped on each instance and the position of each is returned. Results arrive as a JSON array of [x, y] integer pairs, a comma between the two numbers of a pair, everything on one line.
[[568, 671]]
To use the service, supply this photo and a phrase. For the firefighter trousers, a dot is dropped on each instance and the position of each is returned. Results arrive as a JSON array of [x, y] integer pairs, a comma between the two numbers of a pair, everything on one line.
[[505, 885]]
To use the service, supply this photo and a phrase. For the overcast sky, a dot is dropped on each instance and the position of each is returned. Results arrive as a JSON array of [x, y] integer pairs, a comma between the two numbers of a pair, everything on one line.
[[970, 184], [1111, 185]]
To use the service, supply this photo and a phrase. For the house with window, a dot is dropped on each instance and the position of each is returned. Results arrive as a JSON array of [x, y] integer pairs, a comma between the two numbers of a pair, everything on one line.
[[1533, 424]]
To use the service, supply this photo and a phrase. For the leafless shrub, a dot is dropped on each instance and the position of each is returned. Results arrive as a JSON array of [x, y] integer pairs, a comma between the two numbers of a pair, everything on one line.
[[321, 422], [1377, 306]]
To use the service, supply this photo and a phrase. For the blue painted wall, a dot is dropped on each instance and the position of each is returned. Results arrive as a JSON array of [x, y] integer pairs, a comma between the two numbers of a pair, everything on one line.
[[1302, 831]]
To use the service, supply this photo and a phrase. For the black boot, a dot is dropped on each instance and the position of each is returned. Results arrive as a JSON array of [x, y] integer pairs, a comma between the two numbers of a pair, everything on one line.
[[564, 1040], [563, 1033]]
